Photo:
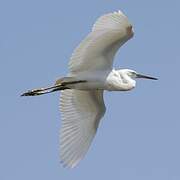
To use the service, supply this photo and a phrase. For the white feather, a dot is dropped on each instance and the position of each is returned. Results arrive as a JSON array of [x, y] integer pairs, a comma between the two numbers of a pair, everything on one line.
[[81, 112], [97, 50]]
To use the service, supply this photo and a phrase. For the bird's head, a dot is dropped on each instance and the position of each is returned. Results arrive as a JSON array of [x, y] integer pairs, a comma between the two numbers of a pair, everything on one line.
[[133, 74]]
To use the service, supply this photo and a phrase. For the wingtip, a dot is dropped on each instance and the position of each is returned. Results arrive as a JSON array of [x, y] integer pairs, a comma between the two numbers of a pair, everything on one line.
[[118, 12], [66, 165]]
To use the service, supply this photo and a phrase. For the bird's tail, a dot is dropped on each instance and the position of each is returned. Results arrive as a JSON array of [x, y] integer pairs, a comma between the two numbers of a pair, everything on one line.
[[61, 84]]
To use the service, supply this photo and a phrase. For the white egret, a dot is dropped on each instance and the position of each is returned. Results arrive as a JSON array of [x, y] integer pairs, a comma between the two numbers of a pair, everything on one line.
[[91, 72]]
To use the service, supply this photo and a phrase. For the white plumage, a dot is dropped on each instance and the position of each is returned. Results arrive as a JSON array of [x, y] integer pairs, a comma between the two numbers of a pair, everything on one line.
[[81, 103], [97, 50], [82, 110]]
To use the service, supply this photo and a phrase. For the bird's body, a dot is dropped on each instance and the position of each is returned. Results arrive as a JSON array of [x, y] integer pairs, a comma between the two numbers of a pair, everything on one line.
[[91, 72], [114, 80]]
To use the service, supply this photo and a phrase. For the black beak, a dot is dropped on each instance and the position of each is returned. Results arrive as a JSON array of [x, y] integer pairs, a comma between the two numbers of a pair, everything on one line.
[[146, 77]]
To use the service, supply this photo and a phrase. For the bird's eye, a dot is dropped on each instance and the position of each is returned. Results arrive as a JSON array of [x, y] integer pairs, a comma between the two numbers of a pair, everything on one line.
[[133, 73]]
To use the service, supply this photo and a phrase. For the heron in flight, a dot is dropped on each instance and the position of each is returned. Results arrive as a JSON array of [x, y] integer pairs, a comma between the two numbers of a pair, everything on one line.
[[91, 72]]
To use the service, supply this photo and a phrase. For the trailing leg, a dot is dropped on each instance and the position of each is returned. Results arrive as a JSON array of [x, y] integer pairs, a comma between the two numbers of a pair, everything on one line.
[[61, 84]]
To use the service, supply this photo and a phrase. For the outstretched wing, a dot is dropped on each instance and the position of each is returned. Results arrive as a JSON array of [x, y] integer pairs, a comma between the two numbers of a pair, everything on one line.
[[81, 112], [97, 50]]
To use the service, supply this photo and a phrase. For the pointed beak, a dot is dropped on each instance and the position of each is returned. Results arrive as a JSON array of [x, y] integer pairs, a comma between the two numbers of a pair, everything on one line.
[[146, 77]]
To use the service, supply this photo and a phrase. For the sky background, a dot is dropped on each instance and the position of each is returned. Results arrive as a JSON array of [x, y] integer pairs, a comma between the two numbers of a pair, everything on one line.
[[139, 136]]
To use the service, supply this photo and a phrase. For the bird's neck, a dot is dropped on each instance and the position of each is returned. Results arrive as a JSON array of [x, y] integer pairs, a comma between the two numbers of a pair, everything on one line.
[[119, 81], [127, 82]]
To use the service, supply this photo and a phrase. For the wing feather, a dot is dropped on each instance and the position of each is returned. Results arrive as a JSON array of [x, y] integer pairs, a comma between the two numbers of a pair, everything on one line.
[[81, 112], [97, 50]]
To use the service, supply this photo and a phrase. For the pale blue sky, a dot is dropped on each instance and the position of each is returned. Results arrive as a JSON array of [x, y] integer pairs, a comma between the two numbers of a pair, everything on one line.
[[139, 136]]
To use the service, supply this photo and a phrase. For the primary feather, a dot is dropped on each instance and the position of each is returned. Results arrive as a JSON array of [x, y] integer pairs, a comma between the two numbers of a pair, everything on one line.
[[81, 113], [97, 50]]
